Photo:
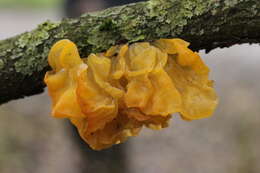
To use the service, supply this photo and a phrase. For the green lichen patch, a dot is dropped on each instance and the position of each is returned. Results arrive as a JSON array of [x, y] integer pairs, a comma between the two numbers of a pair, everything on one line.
[[176, 14], [31, 52]]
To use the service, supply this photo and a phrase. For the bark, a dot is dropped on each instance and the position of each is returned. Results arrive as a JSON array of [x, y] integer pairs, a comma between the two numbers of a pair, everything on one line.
[[207, 24]]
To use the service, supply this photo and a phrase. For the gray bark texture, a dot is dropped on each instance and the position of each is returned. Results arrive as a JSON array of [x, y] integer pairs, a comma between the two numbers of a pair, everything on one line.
[[207, 24]]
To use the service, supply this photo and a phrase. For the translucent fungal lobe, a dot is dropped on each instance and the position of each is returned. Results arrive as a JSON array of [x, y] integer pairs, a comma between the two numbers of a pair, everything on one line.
[[110, 96]]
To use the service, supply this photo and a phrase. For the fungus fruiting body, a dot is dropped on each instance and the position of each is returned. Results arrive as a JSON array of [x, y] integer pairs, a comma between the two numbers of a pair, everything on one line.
[[110, 96]]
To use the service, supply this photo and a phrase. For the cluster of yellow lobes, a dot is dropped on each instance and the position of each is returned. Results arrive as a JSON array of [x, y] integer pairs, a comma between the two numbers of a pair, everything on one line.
[[110, 96]]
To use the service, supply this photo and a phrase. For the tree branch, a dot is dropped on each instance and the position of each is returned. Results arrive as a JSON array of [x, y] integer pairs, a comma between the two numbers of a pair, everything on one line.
[[207, 24]]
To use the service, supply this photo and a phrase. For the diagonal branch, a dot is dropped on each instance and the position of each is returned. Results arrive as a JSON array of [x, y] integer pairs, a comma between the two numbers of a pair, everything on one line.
[[207, 24]]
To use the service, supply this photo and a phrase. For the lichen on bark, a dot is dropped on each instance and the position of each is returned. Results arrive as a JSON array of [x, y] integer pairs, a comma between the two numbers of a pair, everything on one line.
[[30, 41]]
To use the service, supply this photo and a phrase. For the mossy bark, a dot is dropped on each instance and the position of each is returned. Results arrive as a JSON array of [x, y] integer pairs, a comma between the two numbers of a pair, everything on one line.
[[207, 24]]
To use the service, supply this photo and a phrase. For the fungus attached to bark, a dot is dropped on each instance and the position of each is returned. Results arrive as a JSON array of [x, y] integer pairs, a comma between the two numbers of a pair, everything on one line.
[[110, 96]]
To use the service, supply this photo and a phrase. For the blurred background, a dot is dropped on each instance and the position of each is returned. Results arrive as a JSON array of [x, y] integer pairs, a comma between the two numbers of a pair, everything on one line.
[[31, 141]]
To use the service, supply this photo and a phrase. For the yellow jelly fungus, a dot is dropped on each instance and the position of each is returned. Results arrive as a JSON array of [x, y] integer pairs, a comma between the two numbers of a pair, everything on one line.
[[110, 96]]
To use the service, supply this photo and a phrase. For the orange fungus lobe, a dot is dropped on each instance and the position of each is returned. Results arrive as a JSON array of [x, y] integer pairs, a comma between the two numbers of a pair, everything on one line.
[[110, 96]]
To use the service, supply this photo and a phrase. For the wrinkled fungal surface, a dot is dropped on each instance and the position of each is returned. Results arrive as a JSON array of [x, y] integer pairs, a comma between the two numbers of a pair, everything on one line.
[[110, 96]]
